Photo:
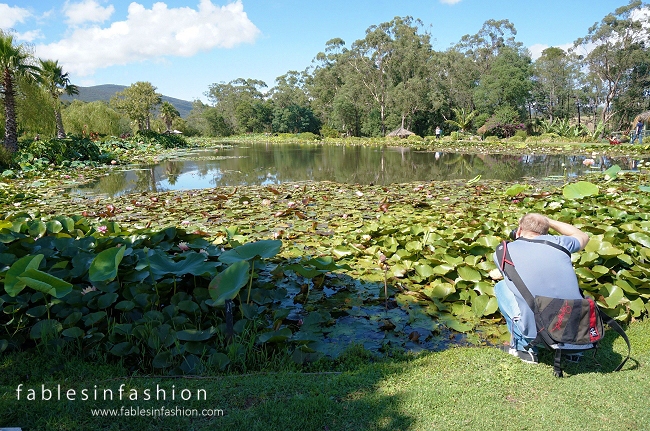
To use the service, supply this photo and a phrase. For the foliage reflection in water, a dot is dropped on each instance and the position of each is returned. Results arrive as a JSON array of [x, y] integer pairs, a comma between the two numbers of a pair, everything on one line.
[[266, 164]]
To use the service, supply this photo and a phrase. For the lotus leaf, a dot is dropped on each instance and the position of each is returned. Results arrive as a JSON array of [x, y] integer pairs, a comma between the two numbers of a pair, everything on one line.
[[579, 190], [163, 360], [484, 305], [439, 290], [104, 266], [227, 284], [640, 238], [219, 360], [264, 249], [615, 297], [611, 172], [123, 349], [74, 332], [13, 284], [275, 336], [468, 274], [195, 334], [48, 328], [46, 283]]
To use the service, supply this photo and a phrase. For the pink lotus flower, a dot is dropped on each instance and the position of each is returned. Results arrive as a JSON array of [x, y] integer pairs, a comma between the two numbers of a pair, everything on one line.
[[588, 162], [102, 229], [183, 246]]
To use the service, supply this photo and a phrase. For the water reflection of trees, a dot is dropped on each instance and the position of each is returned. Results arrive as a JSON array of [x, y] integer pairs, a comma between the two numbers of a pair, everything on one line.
[[269, 164]]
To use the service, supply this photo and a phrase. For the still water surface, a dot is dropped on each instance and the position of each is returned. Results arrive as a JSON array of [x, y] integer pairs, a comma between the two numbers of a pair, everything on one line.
[[267, 164]]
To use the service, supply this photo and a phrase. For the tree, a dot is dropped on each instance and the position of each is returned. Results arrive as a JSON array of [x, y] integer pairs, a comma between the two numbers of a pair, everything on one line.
[[485, 46], [553, 74], [619, 44], [462, 119], [167, 113], [138, 102], [14, 62], [56, 83], [227, 99], [506, 83], [87, 117]]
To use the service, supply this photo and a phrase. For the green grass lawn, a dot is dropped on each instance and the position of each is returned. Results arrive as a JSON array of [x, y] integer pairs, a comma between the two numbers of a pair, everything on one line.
[[468, 388]]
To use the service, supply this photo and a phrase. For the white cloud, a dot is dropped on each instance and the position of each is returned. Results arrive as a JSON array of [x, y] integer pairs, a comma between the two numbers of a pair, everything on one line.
[[452, 2], [30, 36], [151, 34], [86, 11], [536, 50], [10, 15]]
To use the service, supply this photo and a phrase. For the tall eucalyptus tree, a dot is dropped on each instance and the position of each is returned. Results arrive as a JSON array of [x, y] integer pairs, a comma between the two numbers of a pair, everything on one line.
[[613, 48]]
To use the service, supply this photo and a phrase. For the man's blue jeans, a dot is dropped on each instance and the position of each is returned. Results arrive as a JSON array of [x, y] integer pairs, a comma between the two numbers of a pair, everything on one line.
[[510, 311]]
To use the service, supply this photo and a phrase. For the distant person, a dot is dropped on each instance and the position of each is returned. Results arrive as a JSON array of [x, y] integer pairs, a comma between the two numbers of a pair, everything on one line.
[[438, 132], [638, 132], [613, 140]]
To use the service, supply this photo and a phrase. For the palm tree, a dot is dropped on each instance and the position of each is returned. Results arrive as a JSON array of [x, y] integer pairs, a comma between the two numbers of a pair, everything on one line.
[[462, 119], [167, 114], [56, 83], [14, 62]]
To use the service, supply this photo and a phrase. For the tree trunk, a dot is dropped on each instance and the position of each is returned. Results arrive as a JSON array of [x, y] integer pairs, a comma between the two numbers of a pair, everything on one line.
[[11, 129], [60, 132]]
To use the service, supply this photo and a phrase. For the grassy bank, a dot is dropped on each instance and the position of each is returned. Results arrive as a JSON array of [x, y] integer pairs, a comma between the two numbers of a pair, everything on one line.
[[460, 388]]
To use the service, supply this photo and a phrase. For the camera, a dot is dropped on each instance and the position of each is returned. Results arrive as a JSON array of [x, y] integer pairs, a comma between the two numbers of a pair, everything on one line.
[[513, 234]]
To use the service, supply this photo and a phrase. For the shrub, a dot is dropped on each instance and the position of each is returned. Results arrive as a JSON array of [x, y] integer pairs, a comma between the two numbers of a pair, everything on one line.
[[166, 140], [308, 136], [6, 157], [521, 134], [329, 132], [550, 137], [414, 138], [58, 150]]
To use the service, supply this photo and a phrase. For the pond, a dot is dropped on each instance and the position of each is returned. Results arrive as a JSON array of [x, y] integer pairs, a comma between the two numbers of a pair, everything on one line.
[[267, 164]]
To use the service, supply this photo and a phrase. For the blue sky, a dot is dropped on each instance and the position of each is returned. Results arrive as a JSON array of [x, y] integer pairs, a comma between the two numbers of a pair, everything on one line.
[[183, 46]]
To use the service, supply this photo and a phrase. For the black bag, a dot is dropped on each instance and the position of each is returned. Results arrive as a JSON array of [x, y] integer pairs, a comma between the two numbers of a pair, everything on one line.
[[568, 321], [561, 321]]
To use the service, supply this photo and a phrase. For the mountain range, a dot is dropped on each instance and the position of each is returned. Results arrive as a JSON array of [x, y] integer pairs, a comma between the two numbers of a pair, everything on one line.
[[106, 91]]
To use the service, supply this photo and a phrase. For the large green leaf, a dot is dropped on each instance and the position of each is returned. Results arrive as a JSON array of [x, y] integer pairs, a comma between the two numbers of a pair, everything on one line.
[[275, 336], [45, 328], [37, 228], [195, 334], [228, 283], [46, 283], [641, 238], [484, 305], [192, 263], [516, 189], [468, 274], [104, 265], [264, 249], [579, 190], [440, 290], [13, 285], [611, 172]]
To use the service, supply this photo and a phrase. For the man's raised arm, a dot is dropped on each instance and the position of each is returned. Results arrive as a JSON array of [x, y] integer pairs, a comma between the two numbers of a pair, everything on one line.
[[569, 230]]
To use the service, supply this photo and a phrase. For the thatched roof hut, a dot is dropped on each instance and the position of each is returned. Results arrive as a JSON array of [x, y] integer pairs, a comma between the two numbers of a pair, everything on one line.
[[401, 132]]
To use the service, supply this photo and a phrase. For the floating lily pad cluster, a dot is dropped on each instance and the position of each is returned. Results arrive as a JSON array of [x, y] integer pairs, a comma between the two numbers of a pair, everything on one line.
[[403, 266]]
